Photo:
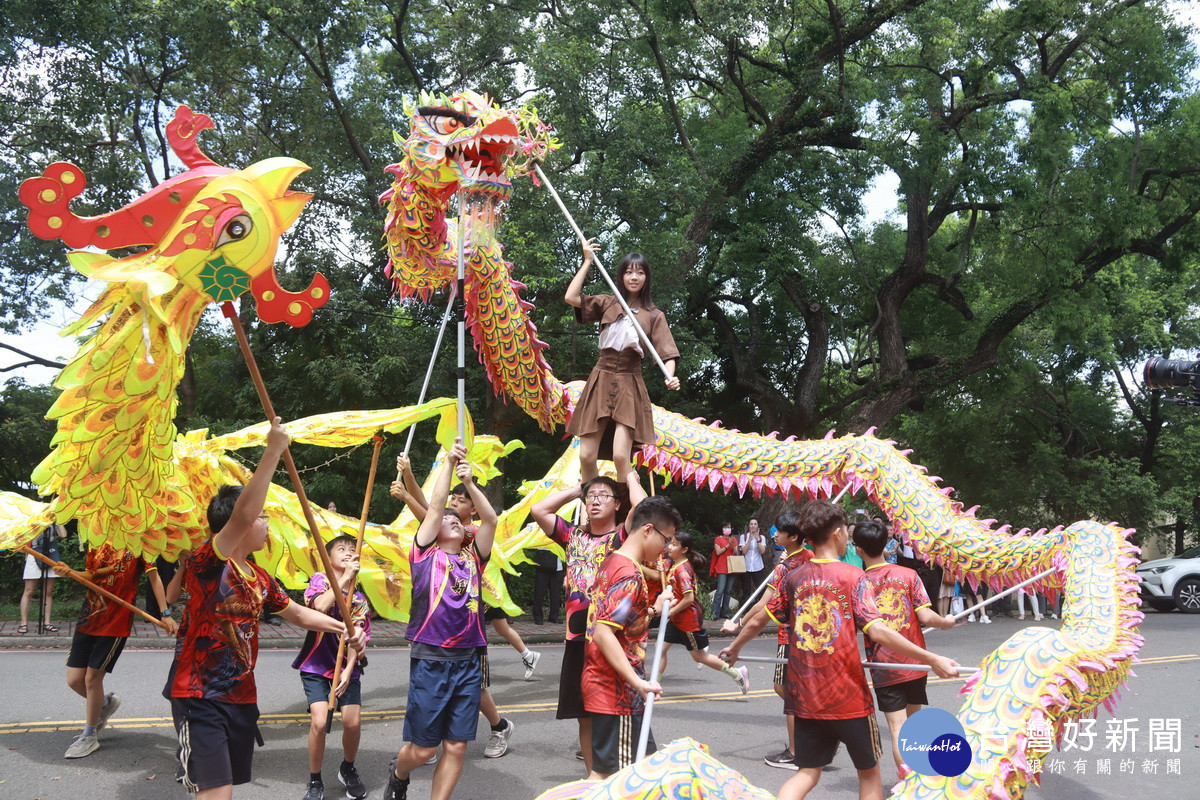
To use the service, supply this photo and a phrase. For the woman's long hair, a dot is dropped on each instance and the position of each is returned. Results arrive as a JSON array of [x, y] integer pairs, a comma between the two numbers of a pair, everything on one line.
[[636, 260]]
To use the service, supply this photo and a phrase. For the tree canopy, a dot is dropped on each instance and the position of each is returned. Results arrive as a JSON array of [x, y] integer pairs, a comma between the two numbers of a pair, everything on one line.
[[1042, 244]]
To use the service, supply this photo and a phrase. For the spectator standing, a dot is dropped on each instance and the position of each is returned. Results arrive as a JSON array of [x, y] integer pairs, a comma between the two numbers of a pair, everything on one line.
[[724, 546], [547, 578], [753, 545]]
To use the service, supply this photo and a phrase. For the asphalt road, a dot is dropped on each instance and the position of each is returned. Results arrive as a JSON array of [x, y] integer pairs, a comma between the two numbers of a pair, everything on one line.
[[41, 716]]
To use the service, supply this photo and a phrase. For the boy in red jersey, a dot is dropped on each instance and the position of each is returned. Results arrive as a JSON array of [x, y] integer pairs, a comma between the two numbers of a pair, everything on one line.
[[787, 536], [822, 602], [586, 546], [614, 663], [211, 686], [101, 632], [905, 608]]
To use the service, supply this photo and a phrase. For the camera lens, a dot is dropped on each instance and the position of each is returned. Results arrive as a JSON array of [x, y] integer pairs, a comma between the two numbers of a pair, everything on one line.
[[1162, 373]]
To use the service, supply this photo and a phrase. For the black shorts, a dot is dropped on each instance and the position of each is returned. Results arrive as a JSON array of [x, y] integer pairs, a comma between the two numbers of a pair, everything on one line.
[[900, 696], [781, 667], [692, 640], [317, 687], [216, 742], [95, 652], [492, 613], [614, 742], [570, 682], [817, 741]]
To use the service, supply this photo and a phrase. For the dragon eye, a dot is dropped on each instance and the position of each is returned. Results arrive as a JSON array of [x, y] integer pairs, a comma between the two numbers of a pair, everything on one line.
[[444, 125], [236, 229]]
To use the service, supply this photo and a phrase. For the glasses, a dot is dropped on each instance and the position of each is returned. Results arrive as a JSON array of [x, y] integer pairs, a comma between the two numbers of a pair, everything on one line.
[[665, 538], [597, 496]]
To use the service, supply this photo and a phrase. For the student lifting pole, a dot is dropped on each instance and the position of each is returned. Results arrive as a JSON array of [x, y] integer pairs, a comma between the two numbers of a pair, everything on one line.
[[358, 545], [230, 312], [604, 274]]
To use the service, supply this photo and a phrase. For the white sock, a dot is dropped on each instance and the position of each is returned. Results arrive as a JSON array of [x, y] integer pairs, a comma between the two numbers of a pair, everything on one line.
[[525, 653], [731, 672]]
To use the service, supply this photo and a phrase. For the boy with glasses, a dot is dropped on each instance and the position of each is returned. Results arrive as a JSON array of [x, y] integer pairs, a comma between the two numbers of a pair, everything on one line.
[[586, 547], [614, 672]]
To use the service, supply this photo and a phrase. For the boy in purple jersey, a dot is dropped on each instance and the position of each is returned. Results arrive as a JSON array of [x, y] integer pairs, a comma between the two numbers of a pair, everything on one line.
[[316, 662], [446, 630], [904, 607]]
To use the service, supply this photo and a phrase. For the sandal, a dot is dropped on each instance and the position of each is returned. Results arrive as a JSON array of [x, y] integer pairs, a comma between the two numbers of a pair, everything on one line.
[[48, 628], [22, 629]]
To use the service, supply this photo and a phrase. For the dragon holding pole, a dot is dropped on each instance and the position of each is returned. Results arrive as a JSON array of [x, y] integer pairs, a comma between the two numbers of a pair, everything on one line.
[[1038, 680]]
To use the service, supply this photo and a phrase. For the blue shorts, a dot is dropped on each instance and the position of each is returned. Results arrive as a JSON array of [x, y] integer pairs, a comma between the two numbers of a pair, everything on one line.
[[316, 690], [443, 701]]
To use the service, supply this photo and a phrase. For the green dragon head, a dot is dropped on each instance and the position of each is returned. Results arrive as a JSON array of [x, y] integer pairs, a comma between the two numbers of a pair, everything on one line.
[[462, 142]]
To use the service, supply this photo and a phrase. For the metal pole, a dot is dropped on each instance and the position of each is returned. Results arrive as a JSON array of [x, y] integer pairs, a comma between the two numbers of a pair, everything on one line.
[[644, 734], [968, 611], [604, 274], [460, 300], [437, 346], [875, 664]]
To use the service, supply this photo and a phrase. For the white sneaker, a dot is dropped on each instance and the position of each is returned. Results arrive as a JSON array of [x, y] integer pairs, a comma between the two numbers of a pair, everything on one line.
[[112, 701], [82, 746], [530, 660], [971, 618], [985, 619], [498, 742], [743, 679]]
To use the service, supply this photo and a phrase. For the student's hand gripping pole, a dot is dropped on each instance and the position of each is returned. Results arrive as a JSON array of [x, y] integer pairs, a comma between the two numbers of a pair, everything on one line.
[[968, 611], [362, 531], [644, 733], [649, 345], [230, 312]]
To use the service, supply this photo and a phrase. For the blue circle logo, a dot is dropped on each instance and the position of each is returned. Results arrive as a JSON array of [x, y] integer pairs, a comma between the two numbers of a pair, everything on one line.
[[933, 742]]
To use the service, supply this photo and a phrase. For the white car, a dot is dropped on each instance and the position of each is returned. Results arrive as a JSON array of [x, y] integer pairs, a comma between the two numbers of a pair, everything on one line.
[[1174, 582]]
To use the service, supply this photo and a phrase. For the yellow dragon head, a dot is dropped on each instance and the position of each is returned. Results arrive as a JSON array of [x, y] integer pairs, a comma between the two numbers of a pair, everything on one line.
[[211, 228]]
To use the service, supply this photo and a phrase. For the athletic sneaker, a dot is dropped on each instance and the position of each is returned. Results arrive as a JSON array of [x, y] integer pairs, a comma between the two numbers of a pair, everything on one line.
[[316, 791], [397, 789], [579, 755], [498, 742], [433, 759], [784, 760], [348, 776], [743, 679], [82, 746], [112, 701], [530, 661], [985, 619]]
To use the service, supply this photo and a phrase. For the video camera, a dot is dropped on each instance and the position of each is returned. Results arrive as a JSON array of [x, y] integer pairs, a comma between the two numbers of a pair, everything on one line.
[[1166, 373]]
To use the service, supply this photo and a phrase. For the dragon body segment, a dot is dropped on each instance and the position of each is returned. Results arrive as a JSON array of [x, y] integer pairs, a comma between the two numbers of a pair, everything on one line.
[[210, 234], [1038, 679]]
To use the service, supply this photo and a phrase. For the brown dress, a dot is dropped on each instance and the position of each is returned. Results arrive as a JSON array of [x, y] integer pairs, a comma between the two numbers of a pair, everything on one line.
[[615, 391]]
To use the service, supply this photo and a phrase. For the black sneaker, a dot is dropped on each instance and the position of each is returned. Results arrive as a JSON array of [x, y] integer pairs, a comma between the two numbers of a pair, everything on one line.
[[397, 789], [784, 760], [348, 775], [316, 791]]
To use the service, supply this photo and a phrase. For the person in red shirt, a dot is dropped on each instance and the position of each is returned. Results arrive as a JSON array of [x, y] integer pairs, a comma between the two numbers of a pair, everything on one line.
[[787, 537], [586, 546], [101, 632], [724, 546], [614, 666], [685, 620], [904, 607], [822, 603], [214, 699]]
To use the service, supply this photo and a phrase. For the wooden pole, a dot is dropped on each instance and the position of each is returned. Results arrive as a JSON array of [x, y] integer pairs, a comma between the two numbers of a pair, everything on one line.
[[98, 590], [229, 311], [362, 532]]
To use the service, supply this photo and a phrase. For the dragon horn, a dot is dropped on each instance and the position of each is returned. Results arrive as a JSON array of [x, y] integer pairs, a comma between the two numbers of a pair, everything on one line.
[[181, 134]]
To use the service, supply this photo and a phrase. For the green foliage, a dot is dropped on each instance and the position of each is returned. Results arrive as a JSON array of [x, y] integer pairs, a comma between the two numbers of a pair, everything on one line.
[[1042, 245]]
